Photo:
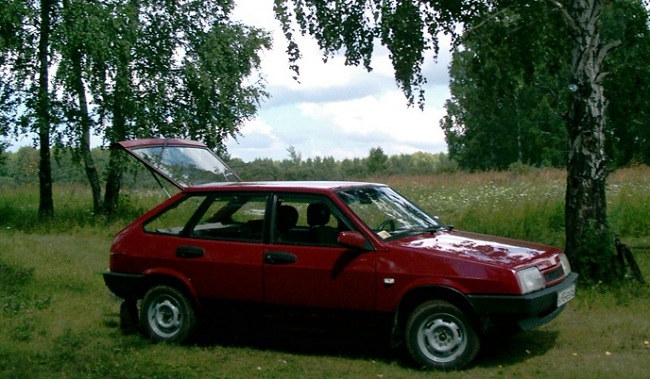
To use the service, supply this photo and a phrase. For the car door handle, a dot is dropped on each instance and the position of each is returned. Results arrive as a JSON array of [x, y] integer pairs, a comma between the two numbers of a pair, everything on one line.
[[189, 252], [279, 258]]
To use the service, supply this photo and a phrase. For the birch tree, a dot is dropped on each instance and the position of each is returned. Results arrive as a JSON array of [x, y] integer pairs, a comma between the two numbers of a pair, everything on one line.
[[122, 69], [410, 30]]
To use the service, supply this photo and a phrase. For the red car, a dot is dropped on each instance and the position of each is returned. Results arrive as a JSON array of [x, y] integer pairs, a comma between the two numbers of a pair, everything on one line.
[[357, 251]]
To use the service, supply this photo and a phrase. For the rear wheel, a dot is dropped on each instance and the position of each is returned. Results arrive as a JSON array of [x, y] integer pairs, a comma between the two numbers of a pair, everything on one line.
[[439, 335], [167, 315]]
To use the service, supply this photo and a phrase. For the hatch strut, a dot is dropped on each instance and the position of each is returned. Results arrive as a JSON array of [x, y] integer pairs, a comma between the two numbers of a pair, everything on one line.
[[155, 176]]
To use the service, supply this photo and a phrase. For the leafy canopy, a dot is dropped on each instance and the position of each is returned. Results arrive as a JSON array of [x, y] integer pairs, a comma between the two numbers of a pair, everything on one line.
[[408, 29]]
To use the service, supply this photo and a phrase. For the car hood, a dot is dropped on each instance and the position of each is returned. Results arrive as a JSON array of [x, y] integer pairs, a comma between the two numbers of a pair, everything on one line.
[[485, 248]]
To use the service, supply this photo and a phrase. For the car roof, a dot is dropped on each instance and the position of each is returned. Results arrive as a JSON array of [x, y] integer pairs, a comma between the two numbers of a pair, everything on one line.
[[290, 186]]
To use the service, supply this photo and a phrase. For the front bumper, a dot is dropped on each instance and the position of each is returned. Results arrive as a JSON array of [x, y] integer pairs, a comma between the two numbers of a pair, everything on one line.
[[529, 311]]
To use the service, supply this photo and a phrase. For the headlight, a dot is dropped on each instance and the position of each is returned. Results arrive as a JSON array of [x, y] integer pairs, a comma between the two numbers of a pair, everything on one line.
[[566, 266], [530, 280]]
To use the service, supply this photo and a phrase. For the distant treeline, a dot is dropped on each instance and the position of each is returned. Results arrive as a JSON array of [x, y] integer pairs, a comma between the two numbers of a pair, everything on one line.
[[21, 167]]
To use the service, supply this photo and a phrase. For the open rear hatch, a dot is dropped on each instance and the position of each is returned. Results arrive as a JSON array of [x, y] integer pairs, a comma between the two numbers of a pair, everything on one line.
[[183, 163]]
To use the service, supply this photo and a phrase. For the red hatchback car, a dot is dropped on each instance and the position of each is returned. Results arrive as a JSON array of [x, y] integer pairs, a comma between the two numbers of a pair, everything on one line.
[[357, 251]]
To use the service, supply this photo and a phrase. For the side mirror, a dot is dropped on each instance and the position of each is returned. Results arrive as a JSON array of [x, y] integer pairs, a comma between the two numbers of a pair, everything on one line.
[[353, 239]]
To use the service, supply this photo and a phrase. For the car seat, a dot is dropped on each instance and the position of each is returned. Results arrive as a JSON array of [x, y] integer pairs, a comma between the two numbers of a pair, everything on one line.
[[287, 219], [318, 216]]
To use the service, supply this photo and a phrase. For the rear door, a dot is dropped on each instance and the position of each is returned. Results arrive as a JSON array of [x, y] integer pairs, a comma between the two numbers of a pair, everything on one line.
[[219, 250]]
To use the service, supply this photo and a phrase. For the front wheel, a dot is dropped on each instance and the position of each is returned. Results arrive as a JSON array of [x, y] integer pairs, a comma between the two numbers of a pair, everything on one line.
[[167, 315], [439, 335]]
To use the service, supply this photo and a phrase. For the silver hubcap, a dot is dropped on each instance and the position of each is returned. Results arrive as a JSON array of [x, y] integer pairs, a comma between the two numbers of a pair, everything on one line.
[[165, 317], [442, 338]]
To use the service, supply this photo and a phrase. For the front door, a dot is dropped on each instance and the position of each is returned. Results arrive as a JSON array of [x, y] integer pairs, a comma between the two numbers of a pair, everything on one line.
[[304, 265]]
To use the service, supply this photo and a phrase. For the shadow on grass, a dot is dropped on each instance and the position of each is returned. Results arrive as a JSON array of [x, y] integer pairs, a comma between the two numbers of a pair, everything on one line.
[[348, 342], [360, 343], [510, 350], [352, 341]]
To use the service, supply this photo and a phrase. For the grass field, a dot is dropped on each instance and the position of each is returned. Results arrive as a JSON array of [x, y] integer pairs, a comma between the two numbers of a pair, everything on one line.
[[58, 320]]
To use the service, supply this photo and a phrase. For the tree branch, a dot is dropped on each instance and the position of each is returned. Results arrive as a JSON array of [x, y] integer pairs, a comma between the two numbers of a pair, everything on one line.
[[565, 13]]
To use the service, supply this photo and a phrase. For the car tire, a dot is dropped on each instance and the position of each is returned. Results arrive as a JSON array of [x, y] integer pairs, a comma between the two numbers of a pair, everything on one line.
[[439, 335], [167, 315]]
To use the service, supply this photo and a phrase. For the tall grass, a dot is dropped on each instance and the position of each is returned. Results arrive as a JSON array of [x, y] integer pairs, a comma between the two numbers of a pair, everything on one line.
[[73, 209], [58, 320], [528, 205], [629, 205], [502, 203]]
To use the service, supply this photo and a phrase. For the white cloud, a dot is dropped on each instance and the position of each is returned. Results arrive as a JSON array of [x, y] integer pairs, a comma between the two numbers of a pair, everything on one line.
[[336, 110]]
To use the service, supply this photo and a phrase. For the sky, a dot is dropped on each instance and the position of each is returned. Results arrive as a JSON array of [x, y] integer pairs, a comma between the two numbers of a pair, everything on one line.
[[336, 110]]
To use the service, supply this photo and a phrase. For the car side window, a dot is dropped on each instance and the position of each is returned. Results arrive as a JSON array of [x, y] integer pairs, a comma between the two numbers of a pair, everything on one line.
[[306, 221], [233, 217], [173, 220]]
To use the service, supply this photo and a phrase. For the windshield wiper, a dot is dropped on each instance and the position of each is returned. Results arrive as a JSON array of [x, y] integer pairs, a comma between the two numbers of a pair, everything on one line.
[[438, 228], [414, 232]]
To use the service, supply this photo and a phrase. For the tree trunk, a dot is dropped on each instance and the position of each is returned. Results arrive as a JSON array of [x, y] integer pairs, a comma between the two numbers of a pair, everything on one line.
[[113, 182], [85, 121], [117, 133], [84, 146], [46, 204], [588, 241]]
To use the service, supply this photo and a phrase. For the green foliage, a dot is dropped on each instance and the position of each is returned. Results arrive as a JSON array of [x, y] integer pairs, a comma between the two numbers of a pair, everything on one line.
[[377, 164], [628, 113], [14, 15], [527, 206], [629, 202], [3, 157], [176, 71], [377, 161], [19, 209], [125, 69], [21, 167], [409, 30], [509, 85]]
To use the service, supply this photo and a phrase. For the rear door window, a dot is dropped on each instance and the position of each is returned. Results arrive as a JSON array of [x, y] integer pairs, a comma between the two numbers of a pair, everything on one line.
[[174, 219], [233, 217]]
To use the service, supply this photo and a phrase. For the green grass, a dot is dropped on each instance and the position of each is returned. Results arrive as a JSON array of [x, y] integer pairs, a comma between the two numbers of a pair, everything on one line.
[[58, 320]]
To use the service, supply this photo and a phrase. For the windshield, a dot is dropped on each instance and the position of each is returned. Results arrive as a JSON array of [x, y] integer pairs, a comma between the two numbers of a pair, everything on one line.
[[387, 213]]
